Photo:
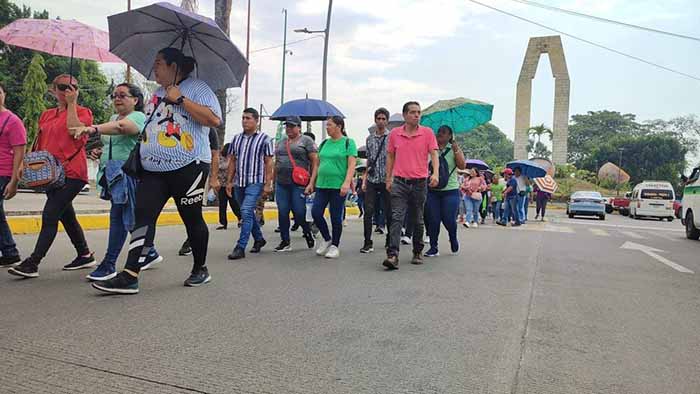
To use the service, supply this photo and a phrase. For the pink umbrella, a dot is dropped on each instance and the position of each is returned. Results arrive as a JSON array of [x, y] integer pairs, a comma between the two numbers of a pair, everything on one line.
[[61, 38]]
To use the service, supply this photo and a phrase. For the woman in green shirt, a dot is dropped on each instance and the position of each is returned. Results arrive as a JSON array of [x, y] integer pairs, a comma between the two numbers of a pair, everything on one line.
[[442, 205], [119, 136], [332, 180]]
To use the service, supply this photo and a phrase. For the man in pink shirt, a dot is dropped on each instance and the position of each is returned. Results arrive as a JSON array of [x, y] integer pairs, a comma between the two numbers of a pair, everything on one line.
[[13, 138], [409, 148]]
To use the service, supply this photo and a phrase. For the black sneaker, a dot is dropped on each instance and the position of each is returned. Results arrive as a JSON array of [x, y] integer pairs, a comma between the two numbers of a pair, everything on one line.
[[367, 248], [185, 250], [257, 246], [123, 283], [8, 261], [28, 269], [417, 259], [379, 230], [237, 254], [81, 262], [391, 263], [222, 227], [284, 246], [198, 278], [278, 230], [310, 240], [295, 227]]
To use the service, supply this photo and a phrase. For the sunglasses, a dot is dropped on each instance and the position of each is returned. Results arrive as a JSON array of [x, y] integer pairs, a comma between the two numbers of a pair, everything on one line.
[[121, 96], [63, 87]]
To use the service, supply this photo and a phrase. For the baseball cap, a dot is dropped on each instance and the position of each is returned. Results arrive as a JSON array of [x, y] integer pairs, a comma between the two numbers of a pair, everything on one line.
[[292, 120], [508, 171]]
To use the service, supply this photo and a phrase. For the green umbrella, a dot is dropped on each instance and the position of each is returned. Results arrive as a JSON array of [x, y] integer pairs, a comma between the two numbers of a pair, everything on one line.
[[461, 114]]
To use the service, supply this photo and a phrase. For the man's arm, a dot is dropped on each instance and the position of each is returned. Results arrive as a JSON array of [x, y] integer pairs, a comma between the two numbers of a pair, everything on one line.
[[389, 170], [434, 179], [11, 188], [269, 170], [460, 161], [230, 174], [214, 175], [72, 119]]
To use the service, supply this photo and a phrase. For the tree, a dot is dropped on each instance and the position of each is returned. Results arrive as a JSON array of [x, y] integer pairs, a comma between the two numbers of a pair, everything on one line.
[[33, 91], [222, 16], [488, 143], [588, 130], [539, 131], [15, 61]]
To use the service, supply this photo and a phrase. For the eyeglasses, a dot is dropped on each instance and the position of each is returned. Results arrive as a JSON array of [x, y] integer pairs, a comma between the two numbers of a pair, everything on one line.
[[63, 87], [121, 96]]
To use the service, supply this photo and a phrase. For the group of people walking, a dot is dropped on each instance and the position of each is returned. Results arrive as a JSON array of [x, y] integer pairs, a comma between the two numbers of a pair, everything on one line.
[[166, 147]]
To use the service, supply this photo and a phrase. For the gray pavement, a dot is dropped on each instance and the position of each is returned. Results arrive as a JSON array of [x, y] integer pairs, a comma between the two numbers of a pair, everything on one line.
[[554, 307]]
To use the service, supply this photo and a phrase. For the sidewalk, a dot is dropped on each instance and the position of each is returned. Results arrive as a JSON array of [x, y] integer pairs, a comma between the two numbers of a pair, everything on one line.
[[24, 212]]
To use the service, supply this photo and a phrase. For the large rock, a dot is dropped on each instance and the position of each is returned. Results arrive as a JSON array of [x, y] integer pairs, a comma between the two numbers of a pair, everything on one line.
[[614, 173]]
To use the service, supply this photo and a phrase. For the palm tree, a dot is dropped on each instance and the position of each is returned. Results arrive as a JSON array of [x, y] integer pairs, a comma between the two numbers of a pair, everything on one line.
[[539, 131]]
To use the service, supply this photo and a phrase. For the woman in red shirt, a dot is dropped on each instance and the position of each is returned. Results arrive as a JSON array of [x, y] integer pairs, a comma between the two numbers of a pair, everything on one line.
[[56, 137]]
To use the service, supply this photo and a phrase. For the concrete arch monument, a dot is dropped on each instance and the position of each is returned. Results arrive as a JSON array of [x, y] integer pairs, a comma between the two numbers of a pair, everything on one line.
[[552, 46]]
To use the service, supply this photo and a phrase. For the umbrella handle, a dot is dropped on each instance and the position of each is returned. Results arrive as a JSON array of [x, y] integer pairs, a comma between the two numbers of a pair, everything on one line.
[[70, 68]]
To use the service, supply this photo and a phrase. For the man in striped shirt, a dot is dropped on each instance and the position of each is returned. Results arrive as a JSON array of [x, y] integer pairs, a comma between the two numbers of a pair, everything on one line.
[[249, 176]]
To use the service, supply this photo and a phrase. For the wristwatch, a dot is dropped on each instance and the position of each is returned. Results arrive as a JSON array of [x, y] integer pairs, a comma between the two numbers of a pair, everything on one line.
[[180, 100]]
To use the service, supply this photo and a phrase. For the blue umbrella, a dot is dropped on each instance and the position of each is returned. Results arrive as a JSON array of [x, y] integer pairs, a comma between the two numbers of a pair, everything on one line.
[[136, 36], [528, 167], [307, 109], [478, 164]]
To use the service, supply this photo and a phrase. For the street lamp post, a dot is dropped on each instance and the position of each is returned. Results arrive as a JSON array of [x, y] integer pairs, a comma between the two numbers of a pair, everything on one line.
[[326, 33], [619, 170]]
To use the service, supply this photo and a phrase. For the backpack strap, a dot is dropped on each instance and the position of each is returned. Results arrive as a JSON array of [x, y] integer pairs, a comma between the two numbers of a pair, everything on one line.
[[5, 124]]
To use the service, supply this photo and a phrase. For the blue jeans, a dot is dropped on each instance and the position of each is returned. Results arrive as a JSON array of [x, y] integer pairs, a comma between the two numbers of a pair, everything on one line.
[[520, 201], [473, 208], [332, 197], [497, 205], [512, 209], [247, 198], [523, 207], [7, 243], [442, 206], [119, 228], [291, 198]]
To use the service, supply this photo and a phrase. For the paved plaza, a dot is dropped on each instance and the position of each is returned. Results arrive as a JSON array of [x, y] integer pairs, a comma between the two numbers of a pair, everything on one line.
[[567, 306]]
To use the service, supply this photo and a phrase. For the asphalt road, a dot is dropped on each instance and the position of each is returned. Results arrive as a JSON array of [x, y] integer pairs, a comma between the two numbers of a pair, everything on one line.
[[556, 307]]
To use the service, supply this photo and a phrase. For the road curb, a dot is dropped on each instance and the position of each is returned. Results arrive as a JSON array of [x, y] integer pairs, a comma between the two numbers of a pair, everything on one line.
[[22, 225]]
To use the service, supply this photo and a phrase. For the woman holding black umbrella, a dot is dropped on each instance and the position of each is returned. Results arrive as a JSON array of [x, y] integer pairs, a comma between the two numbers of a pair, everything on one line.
[[175, 155]]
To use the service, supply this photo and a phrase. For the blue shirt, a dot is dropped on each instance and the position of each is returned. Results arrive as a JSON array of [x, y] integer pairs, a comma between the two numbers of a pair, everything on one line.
[[250, 152], [512, 183], [173, 139]]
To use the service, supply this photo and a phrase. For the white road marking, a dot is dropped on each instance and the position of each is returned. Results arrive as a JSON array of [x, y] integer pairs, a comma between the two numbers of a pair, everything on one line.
[[599, 232], [652, 252], [632, 235], [598, 224]]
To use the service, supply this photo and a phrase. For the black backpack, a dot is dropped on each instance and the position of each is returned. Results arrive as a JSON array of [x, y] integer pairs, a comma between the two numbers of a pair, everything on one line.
[[444, 172]]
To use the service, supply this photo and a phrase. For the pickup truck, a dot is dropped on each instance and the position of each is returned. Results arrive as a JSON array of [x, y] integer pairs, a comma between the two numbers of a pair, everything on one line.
[[620, 204]]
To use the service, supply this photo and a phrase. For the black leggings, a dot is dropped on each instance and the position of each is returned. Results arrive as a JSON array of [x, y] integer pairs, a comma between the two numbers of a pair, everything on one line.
[[186, 187], [59, 207]]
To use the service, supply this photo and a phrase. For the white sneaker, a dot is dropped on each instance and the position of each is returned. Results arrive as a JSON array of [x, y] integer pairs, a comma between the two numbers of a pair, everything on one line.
[[426, 239], [475, 225], [333, 252], [466, 224], [323, 248], [406, 240], [150, 264]]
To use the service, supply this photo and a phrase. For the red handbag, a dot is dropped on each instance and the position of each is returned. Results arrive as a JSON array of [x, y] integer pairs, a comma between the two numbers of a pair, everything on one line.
[[300, 176]]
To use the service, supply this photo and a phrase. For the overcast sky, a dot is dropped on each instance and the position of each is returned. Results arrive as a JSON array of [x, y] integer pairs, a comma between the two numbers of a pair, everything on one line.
[[385, 52]]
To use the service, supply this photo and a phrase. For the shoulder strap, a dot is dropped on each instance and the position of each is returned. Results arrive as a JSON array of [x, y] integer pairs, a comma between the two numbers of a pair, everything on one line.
[[379, 151], [321, 146], [289, 153], [145, 125], [110, 148]]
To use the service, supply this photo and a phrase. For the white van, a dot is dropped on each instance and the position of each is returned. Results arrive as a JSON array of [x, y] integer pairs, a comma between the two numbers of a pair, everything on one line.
[[690, 209], [652, 199]]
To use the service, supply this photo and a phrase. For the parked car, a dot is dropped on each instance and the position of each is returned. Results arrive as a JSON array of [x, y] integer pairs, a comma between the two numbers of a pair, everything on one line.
[[690, 210], [652, 199], [678, 208], [586, 203]]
